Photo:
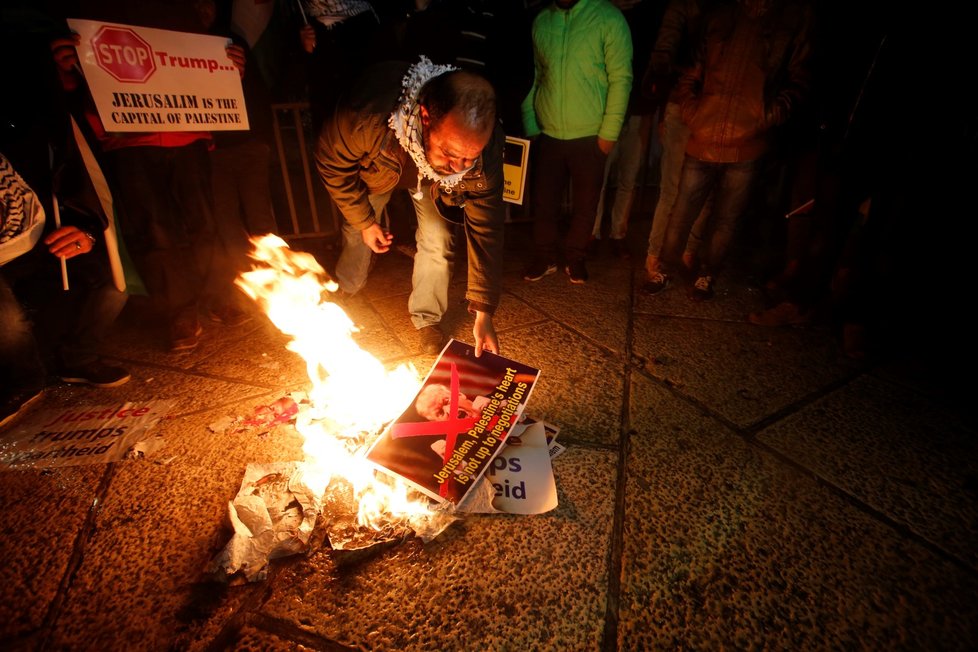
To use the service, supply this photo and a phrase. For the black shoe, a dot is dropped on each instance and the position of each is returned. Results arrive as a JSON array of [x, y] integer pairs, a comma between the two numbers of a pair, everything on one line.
[[655, 283], [185, 335], [620, 249], [229, 316], [702, 289], [432, 340], [577, 271], [538, 270], [17, 405], [95, 374]]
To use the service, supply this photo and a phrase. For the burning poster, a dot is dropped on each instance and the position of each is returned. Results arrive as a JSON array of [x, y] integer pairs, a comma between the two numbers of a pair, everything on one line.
[[459, 420]]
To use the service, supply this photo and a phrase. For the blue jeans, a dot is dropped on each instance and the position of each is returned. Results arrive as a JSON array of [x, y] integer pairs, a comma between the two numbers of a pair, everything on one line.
[[356, 259], [673, 137], [626, 158], [433, 262], [731, 185]]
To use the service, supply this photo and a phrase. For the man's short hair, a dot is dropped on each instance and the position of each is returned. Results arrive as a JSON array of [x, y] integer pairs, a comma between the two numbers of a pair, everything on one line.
[[468, 95]]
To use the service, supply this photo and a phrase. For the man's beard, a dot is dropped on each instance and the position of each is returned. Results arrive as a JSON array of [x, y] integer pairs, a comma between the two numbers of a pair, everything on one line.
[[427, 147]]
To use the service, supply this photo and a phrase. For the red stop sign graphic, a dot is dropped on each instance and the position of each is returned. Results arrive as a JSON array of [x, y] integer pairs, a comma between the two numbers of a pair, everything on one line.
[[123, 54]]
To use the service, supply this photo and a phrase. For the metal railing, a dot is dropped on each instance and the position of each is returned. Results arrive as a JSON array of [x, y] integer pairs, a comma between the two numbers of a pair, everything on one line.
[[307, 203]]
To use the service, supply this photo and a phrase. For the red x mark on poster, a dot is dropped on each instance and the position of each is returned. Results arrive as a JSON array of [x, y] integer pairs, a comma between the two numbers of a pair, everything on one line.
[[451, 427]]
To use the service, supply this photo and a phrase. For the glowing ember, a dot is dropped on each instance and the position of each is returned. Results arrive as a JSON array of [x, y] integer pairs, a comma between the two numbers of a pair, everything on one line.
[[352, 394]]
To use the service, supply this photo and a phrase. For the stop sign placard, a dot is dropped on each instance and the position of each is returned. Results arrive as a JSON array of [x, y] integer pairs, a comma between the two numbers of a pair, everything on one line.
[[122, 53]]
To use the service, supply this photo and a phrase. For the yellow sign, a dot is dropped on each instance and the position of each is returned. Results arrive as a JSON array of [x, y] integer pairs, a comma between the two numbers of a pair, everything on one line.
[[515, 156]]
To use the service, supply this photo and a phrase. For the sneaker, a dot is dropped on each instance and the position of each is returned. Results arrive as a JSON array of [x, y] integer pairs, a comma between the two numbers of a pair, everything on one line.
[[538, 270], [185, 335], [620, 249], [577, 272], [229, 316], [18, 405], [655, 282], [702, 289], [432, 340], [783, 314], [95, 374]]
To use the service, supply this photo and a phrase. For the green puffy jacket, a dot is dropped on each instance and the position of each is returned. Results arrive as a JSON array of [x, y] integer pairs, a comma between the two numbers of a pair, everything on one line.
[[583, 60]]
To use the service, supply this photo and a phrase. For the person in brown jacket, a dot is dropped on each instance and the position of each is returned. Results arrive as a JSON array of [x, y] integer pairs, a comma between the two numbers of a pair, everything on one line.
[[749, 72]]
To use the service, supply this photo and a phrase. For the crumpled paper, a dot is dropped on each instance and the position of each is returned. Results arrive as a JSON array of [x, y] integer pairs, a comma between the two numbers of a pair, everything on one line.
[[273, 515]]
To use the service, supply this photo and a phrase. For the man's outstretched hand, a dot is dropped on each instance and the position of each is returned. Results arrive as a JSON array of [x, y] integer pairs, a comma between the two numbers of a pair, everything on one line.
[[484, 334], [375, 238]]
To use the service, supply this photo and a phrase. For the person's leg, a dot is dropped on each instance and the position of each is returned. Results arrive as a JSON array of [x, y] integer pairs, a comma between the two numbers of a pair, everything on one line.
[[696, 182], [587, 163], [356, 258], [433, 264], [21, 369], [95, 309], [232, 246], [674, 136], [194, 199], [631, 145], [156, 240], [609, 165], [550, 180], [254, 187], [733, 191], [697, 234]]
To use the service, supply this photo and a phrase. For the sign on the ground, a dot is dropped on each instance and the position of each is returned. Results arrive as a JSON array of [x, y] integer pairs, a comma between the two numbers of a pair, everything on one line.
[[82, 435]]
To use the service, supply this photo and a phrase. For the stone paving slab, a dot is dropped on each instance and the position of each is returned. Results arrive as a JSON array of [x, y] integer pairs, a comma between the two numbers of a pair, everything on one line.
[[726, 546], [158, 526], [724, 486], [37, 543], [493, 582], [597, 310], [896, 451], [581, 385], [743, 372]]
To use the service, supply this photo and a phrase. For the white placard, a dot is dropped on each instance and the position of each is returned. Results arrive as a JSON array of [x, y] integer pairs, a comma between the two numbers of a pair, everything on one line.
[[147, 80]]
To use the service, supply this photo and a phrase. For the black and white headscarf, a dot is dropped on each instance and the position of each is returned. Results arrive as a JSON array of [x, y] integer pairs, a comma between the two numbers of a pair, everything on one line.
[[21, 214], [406, 122]]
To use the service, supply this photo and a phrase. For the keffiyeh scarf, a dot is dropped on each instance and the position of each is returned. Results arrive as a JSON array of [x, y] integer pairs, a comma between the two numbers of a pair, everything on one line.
[[406, 122]]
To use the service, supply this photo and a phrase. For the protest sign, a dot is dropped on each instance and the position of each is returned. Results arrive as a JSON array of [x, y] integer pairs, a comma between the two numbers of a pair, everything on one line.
[[516, 153], [76, 436], [445, 441], [145, 79], [521, 475]]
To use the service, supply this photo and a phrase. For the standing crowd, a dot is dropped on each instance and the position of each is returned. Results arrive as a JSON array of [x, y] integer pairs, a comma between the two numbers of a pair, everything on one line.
[[768, 121]]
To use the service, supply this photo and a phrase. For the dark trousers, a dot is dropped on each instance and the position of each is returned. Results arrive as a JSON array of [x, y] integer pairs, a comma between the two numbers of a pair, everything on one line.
[[168, 224], [581, 162], [43, 325], [242, 204]]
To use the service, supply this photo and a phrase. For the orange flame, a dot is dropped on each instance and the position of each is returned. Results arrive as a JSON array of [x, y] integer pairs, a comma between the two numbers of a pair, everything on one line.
[[352, 394]]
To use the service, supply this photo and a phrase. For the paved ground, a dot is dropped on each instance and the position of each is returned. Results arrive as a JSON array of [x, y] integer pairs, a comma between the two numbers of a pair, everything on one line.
[[724, 486]]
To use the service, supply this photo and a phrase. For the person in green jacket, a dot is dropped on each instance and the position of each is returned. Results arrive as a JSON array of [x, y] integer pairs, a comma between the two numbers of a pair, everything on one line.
[[574, 114]]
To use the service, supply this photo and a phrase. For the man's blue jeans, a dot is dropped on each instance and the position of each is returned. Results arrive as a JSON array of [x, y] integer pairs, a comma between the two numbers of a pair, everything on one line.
[[433, 262], [626, 159], [731, 185], [673, 138]]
